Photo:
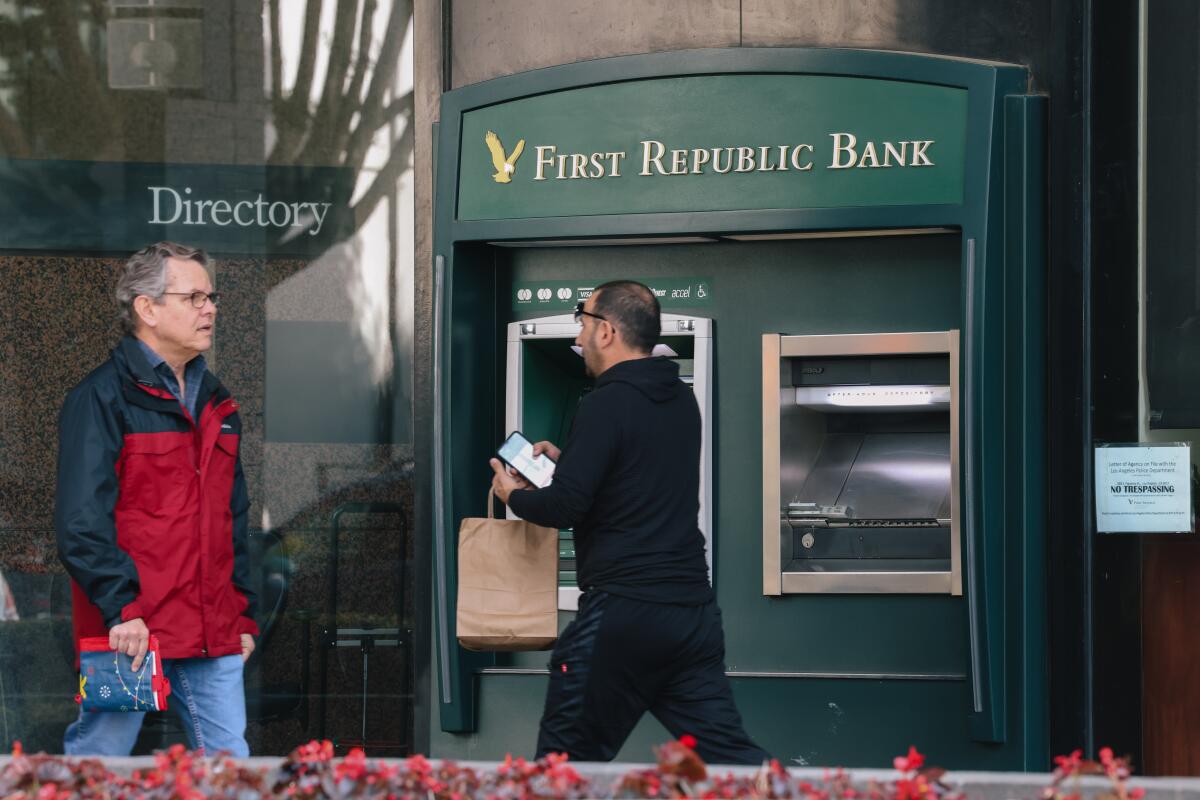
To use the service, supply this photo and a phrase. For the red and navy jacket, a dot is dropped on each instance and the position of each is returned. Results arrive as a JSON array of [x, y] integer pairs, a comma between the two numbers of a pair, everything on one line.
[[151, 507]]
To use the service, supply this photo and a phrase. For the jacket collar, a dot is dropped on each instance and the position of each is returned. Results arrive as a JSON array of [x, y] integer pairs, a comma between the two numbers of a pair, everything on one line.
[[151, 391], [133, 364]]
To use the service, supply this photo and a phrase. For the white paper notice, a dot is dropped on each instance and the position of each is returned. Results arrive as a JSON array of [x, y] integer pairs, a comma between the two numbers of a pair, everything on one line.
[[1144, 488]]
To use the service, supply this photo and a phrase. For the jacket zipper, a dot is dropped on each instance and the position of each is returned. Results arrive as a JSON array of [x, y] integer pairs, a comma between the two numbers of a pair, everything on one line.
[[222, 410], [219, 412]]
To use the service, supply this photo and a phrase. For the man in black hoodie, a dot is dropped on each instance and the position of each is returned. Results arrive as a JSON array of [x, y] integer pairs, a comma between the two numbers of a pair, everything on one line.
[[648, 633]]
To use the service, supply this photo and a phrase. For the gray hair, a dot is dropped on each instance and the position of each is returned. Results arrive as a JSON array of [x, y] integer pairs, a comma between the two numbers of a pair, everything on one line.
[[145, 273]]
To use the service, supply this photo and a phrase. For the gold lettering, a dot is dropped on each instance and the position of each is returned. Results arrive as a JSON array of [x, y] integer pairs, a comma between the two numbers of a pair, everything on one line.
[[542, 161], [562, 167], [919, 159], [869, 153], [764, 160], [839, 148], [679, 159], [889, 151], [796, 151], [700, 157], [615, 172], [578, 165], [597, 170], [745, 159], [648, 159], [716, 160]]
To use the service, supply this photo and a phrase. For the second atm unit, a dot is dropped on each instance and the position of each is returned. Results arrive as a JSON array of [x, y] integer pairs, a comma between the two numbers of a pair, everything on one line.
[[860, 464]]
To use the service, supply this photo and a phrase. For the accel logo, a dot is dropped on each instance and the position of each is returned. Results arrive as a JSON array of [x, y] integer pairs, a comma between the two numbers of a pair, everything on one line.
[[505, 165]]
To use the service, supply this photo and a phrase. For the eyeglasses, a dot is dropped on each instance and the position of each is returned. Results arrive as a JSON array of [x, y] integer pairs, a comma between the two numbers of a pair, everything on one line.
[[198, 299], [579, 312]]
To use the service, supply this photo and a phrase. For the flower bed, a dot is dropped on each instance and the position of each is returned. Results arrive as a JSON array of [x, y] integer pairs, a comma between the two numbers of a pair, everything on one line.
[[311, 771]]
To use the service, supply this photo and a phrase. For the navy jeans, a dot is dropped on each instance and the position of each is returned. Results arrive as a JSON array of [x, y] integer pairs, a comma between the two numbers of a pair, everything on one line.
[[206, 693]]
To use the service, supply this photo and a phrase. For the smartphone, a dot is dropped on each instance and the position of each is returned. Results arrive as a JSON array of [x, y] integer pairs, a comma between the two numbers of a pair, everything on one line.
[[517, 452]]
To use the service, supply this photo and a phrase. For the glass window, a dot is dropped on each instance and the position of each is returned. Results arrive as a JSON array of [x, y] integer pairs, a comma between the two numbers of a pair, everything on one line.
[[1171, 164], [279, 138]]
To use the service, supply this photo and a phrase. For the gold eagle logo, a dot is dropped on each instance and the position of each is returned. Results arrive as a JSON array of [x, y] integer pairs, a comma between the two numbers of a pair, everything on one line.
[[505, 166]]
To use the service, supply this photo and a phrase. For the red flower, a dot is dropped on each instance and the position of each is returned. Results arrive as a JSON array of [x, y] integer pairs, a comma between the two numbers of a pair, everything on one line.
[[353, 766], [688, 741], [1069, 764], [913, 761], [419, 764]]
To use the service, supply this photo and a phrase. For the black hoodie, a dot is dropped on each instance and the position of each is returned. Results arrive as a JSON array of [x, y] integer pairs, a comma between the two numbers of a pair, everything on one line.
[[628, 482]]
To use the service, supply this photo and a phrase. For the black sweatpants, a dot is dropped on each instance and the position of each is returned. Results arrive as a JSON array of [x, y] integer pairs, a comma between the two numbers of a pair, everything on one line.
[[620, 658]]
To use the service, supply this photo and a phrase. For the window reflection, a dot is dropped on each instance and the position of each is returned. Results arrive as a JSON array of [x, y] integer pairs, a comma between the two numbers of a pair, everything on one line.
[[317, 349]]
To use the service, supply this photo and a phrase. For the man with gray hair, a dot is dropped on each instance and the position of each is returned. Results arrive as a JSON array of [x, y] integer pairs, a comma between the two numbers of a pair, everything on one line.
[[151, 506]]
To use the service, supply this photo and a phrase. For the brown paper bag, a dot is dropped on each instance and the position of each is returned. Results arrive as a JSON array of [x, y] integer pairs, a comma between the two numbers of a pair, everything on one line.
[[507, 584]]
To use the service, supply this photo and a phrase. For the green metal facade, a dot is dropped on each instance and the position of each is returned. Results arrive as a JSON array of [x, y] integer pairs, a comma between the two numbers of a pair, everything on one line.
[[831, 679]]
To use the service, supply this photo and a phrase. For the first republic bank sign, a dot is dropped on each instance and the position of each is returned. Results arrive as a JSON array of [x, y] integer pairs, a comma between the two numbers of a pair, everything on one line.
[[120, 207], [714, 142]]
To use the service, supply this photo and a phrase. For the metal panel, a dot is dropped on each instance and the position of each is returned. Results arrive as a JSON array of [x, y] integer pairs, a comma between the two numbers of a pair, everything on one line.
[[440, 552], [956, 584], [772, 583], [865, 344], [876, 489], [865, 582]]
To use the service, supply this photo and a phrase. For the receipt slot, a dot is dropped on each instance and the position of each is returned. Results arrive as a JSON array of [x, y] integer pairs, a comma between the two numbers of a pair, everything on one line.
[[545, 380]]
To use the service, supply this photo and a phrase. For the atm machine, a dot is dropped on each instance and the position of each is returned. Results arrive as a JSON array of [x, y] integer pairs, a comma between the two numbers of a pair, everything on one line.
[[545, 380], [881, 506]]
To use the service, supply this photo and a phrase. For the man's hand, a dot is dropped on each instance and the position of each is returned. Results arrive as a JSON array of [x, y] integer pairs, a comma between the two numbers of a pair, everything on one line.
[[247, 646], [504, 482], [131, 638], [548, 449]]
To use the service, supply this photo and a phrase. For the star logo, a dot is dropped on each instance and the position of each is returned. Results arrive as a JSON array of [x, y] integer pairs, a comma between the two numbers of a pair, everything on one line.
[[505, 165]]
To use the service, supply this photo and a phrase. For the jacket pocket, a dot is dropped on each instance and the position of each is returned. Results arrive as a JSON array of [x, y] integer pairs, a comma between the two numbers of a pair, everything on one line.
[[157, 472]]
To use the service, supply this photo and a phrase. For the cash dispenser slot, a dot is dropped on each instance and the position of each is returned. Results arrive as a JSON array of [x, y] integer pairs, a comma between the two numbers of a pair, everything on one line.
[[860, 464]]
